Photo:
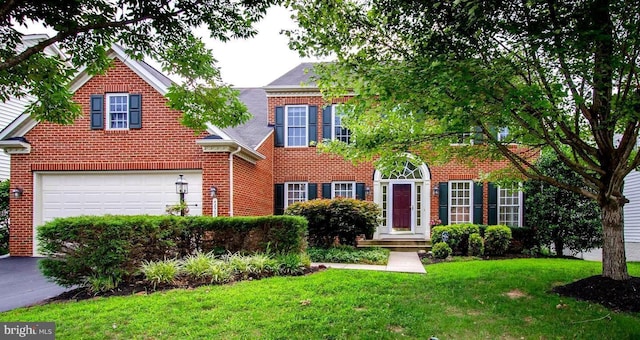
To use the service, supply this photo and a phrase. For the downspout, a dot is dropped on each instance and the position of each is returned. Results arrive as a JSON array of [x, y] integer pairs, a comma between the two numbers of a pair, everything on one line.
[[231, 179]]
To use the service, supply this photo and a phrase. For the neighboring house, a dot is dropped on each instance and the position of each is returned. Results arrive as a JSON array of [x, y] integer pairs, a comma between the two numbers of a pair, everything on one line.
[[12, 108], [126, 152]]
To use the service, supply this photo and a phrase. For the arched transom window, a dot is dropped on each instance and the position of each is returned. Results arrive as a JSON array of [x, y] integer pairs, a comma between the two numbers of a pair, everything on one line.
[[410, 171]]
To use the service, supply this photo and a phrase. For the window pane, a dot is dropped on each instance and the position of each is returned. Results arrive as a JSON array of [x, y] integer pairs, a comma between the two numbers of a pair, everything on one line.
[[118, 114], [339, 133], [296, 192], [460, 202], [343, 190], [509, 206], [297, 126]]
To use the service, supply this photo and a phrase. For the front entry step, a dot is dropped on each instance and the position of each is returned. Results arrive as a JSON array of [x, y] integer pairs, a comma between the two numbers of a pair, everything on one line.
[[397, 244]]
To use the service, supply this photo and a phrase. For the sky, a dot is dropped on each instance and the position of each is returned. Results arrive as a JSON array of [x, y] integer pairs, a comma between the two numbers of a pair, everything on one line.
[[253, 62], [258, 61]]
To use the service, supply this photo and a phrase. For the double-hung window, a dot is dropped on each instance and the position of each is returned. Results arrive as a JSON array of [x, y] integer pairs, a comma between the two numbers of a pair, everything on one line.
[[460, 202], [296, 125], [295, 192], [509, 206], [117, 111], [339, 132], [343, 189]]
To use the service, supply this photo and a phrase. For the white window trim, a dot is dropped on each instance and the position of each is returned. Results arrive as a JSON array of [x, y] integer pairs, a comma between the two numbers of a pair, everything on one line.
[[520, 205], [286, 127], [449, 206], [108, 112], [333, 122], [499, 135], [286, 192], [353, 188]]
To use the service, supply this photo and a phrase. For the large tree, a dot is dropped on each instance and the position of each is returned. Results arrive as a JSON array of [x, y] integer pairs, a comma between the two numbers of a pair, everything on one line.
[[161, 30], [561, 74]]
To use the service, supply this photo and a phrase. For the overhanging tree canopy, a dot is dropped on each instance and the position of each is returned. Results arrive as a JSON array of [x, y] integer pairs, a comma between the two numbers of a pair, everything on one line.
[[561, 74], [160, 30]]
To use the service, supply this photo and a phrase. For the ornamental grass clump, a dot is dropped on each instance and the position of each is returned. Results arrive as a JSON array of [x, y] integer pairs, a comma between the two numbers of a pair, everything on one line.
[[198, 265], [161, 272]]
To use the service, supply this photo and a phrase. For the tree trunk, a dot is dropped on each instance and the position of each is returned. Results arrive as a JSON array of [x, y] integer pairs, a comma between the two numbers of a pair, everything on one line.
[[559, 245], [614, 260]]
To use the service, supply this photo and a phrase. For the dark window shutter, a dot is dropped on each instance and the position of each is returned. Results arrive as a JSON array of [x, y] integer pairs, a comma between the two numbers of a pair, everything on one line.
[[279, 126], [443, 202], [326, 190], [477, 203], [492, 208], [360, 191], [478, 136], [313, 124], [135, 111], [278, 199], [312, 191], [327, 122], [523, 210], [96, 111]]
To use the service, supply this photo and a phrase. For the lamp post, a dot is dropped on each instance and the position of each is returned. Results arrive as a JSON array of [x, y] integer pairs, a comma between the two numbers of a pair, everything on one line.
[[182, 188]]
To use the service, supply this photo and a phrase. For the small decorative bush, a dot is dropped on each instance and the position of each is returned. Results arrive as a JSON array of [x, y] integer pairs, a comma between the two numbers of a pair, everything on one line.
[[458, 236], [161, 271], [441, 250], [341, 219], [476, 245], [198, 265], [293, 264], [497, 239]]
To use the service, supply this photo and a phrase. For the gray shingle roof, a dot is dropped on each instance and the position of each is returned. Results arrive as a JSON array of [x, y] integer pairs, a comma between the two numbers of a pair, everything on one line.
[[163, 79], [255, 130], [296, 77]]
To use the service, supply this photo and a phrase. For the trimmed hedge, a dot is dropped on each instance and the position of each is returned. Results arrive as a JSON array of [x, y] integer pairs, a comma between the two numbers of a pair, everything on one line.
[[85, 248], [497, 239], [341, 218]]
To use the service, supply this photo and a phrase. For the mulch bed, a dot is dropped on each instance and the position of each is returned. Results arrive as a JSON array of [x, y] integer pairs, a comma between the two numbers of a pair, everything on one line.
[[141, 287], [615, 295]]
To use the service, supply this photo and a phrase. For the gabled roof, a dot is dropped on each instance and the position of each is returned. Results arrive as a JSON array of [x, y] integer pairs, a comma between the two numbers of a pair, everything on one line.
[[253, 132], [298, 76]]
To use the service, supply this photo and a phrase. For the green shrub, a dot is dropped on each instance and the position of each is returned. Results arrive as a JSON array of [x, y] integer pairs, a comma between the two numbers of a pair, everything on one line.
[[441, 250], [458, 236], [349, 254], [522, 240], [292, 263], [101, 284], [114, 247], [497, 239], [476, 245], [341, 218], [161, 271], [220, 272]]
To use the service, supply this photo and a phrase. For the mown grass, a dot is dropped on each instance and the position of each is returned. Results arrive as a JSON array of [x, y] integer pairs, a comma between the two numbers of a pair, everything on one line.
[[459, 300]]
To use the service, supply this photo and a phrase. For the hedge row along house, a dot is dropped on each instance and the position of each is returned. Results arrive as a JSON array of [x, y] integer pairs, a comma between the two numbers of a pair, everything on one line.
[[125, 154]]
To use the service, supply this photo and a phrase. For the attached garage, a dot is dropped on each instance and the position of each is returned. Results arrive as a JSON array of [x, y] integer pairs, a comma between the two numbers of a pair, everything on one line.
[[66, 194]]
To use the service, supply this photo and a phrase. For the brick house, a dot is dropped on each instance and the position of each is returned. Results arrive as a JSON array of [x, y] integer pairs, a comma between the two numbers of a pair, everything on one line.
[[127, 151]]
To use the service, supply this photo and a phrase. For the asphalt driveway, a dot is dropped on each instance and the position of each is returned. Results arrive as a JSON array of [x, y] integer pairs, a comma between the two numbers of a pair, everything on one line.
[[21, 283]]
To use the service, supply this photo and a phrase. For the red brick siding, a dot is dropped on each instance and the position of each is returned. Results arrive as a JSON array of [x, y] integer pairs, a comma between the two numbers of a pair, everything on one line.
[[162, 143], [253, 183]]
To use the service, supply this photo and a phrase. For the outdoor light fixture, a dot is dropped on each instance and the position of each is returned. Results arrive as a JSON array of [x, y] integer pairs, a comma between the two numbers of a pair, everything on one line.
[[367, 190], [213, 191], [182, 187], [17, 192], [436, 189]]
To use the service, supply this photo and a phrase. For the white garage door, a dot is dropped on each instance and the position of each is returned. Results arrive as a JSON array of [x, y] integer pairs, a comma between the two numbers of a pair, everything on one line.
[[116, 193], [632, 209]]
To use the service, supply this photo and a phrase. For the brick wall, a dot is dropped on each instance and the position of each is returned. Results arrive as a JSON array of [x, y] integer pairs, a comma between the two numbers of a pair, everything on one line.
[[253, 191]]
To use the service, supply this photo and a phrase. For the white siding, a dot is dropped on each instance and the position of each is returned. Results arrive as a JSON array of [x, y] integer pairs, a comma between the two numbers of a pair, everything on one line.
[[9, 111], [632, 209]]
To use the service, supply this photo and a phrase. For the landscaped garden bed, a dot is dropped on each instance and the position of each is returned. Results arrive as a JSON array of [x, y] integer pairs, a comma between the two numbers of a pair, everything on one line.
[[349, 254]]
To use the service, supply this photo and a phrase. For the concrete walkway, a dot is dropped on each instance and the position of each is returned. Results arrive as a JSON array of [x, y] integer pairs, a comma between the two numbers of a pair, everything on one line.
[[402, 262]]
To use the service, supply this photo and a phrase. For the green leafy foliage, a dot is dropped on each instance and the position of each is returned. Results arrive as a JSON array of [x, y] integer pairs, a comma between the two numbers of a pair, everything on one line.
[[562, 219], [348, 254], [4, 216], [497, 239], [114, 247], [341, 219], [458, 236], [164, 32], [476, 245], [557, 74], [441, 250]]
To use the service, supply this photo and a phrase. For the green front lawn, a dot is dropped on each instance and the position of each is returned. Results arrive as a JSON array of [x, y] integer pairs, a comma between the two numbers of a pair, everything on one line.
[[505, 299]]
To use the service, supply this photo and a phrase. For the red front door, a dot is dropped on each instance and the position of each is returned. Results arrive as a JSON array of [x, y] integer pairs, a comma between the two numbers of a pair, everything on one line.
[[401, 207]]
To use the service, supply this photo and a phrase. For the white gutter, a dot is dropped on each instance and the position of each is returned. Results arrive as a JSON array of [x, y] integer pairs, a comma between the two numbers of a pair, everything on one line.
[[231, 154]]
